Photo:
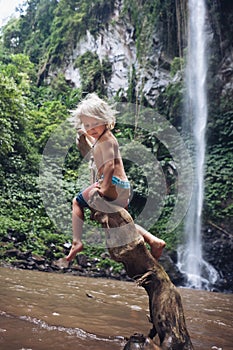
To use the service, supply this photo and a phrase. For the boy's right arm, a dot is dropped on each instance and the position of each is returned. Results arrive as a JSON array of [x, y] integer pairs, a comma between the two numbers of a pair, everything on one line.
[[83, 143]]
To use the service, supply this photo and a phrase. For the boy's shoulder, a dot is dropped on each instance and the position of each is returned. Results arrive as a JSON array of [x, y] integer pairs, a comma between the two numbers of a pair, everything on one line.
[[108, 140], [108, 136]]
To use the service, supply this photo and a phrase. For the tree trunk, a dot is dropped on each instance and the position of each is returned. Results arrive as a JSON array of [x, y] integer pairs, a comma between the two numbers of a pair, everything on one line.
[[127, 246]]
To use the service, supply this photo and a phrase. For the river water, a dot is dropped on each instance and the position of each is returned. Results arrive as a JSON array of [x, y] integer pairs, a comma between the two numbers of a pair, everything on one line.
[[43, 311]]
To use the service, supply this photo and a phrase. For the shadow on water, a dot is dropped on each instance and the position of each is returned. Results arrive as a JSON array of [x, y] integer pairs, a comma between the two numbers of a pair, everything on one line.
[[42, 311]]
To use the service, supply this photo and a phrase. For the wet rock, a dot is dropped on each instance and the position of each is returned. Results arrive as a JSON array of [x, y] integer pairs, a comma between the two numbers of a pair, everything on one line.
[[171, 268], [61, 263], [82, 260], [49, 254], [217, 251], [105, 255], [45, 268], [10, 253], [38, 259], [31, 265], [16, 236], [67, 245], [139, 342], [20, 264], [24, 255]]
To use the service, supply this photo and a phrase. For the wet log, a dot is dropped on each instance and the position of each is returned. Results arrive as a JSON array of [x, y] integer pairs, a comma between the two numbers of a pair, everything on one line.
[[127, 246]]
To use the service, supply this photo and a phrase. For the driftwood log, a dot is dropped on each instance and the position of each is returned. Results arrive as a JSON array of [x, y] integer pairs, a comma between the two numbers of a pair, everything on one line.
[[127, 246]]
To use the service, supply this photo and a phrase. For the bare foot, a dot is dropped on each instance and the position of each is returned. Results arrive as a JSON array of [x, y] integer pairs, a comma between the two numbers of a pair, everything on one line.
[[77, 247], [157, 247]]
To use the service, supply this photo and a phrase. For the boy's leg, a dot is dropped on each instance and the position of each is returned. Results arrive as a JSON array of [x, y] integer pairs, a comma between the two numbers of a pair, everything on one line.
[[156, 244], [77, 220], [77, 225], [87, 191]]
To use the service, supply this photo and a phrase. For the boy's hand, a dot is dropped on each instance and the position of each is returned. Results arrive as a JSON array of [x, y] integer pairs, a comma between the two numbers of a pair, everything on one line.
[[100, 193]]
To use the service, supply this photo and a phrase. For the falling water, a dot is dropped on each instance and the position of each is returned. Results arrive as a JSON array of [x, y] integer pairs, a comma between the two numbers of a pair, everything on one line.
[[191, 262]]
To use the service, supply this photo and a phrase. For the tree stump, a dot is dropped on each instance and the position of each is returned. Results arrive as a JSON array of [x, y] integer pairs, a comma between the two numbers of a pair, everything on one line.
[[127, 246]]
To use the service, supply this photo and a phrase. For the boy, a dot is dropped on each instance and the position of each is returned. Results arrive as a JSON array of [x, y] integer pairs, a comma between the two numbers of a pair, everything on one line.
[[97, 119]]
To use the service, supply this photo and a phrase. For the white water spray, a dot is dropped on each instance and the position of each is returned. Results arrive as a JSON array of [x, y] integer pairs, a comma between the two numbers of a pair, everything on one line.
[[190, 257]]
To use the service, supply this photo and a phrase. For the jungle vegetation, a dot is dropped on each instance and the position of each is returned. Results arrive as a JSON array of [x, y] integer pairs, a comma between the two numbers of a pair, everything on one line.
[[33, 104]]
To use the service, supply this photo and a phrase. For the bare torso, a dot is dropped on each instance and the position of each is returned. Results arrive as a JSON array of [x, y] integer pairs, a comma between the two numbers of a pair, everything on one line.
[[105, 150]]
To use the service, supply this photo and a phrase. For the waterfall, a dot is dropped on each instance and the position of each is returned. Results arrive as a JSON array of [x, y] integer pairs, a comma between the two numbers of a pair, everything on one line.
[[190, 261]]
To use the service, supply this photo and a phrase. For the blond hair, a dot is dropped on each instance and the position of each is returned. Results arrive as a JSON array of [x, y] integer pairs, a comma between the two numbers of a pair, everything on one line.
[[94, 107]]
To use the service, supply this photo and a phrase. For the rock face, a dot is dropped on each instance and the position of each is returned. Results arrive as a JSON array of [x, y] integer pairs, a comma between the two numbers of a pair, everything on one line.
[[116, 43], [217, 250], [225, 76]]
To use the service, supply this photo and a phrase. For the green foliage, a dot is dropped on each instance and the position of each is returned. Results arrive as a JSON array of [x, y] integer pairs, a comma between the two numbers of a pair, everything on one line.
[[150, 17], [72, 19], [57, 90], [177, 65], [11, 37], [67, 27], [30, 114], [30, 33], [143, 16], [218, 196], [13, 117], [46, 120], [109, 263], [49, 30], [170, 103], [218, 193], [94, 74]]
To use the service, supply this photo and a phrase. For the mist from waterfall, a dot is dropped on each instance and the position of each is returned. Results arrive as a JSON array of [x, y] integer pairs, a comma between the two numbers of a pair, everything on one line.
[[190, 260]]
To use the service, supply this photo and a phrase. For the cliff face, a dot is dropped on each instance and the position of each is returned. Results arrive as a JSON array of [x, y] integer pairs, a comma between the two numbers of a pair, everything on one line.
[[116, 43], [149, 69]]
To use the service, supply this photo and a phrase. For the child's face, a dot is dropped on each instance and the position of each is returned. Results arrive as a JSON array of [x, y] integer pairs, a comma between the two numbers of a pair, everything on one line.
[[94, 127]]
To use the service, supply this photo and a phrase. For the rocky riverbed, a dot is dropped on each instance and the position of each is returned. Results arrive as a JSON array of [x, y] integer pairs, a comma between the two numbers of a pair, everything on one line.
[[217, 251], [83, 265]]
